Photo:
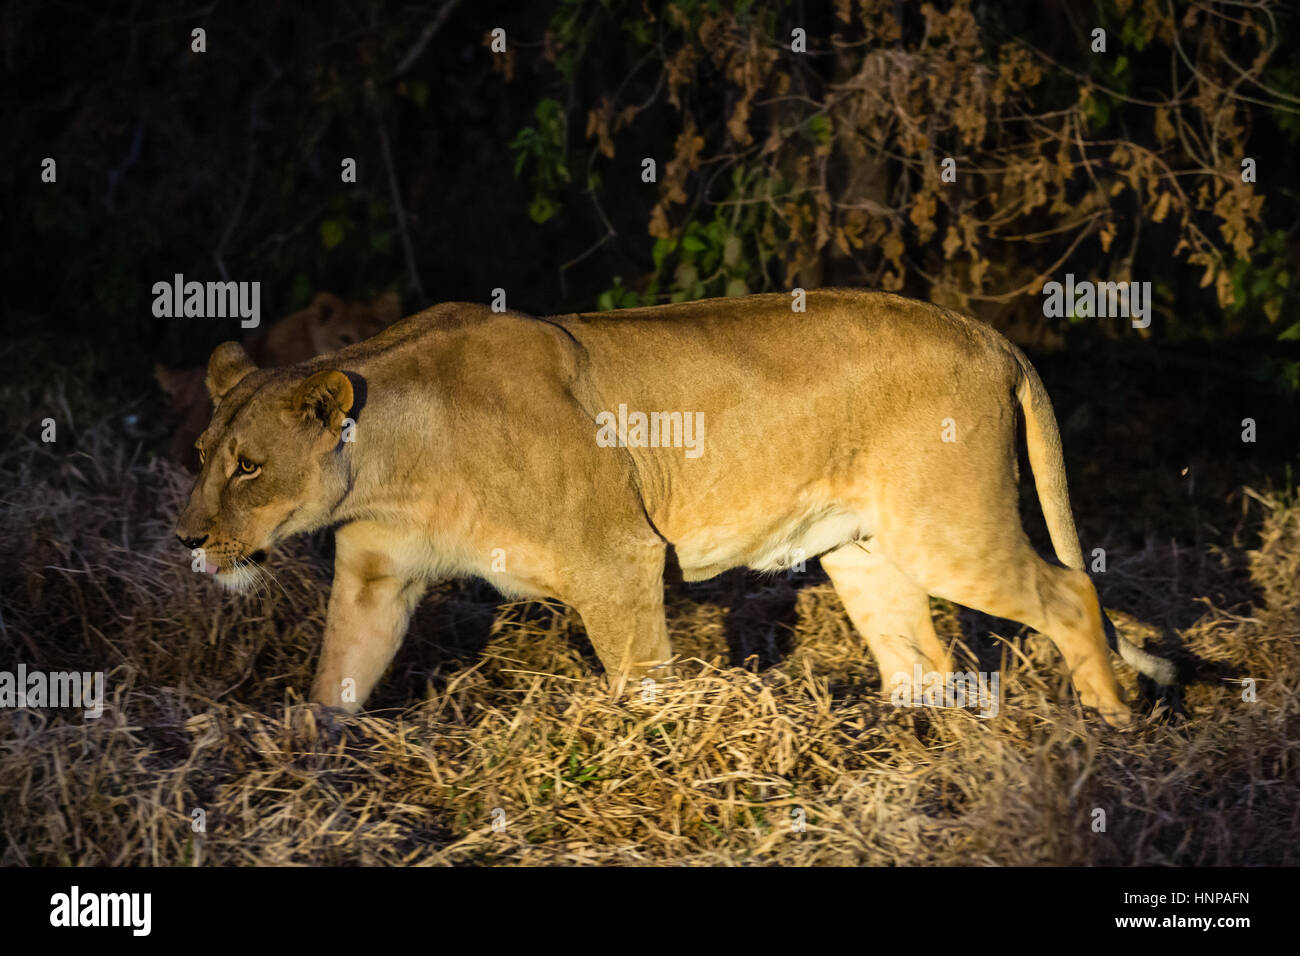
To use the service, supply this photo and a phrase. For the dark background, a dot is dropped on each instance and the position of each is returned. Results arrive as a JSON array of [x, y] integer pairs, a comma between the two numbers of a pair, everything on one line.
[[225, 164]]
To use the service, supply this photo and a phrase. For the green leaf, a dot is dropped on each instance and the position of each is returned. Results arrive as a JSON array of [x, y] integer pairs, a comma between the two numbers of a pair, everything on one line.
[[418, 90], [331, 233], [662, 249], [542, 208], [300, 291], [693, 243], [820, 126]]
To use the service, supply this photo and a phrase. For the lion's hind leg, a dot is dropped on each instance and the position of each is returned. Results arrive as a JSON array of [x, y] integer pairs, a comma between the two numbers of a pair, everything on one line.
[[1006, 578], [891, 612]]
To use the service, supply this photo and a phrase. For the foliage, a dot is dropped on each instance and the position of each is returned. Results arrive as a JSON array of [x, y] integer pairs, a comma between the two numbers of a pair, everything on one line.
[[794, 168]]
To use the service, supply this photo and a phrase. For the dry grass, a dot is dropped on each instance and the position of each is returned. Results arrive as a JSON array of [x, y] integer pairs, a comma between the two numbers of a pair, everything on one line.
[[497, 707]]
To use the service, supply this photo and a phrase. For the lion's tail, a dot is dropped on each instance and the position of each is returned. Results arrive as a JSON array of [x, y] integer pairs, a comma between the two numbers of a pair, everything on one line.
[[1048, 465]]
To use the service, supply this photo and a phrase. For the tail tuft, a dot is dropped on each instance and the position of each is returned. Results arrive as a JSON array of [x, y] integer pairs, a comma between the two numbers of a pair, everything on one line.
[[1163, 672]]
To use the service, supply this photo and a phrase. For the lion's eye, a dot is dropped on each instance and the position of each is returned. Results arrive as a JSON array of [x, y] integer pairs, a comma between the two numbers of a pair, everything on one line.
[[246, 467], [202, 457]]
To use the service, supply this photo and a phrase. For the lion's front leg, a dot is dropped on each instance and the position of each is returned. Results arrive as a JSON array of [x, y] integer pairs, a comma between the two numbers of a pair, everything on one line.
[[369, 609], [621, 602]]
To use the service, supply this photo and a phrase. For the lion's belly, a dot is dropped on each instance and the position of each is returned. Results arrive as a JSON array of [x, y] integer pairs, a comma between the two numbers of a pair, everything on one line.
[[787, 543]]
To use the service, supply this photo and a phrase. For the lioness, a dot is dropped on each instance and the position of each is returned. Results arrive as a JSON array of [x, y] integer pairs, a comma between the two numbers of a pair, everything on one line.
[[328, 323], [874, 431]]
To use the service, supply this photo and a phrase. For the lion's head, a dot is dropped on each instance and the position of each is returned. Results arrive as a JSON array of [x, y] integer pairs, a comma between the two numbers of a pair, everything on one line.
[[269, 462], [328, 324]]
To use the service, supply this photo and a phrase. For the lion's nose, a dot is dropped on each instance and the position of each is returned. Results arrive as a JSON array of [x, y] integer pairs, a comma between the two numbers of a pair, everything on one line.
[[193, 543]]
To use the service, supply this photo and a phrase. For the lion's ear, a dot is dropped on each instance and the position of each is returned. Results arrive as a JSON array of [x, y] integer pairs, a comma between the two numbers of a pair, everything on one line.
[[226, 369], [387, 308], [324, 398], [327, 305], [169, 380]]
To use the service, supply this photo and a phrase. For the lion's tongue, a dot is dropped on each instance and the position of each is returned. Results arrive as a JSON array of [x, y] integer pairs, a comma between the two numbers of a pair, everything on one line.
[[210, 568]]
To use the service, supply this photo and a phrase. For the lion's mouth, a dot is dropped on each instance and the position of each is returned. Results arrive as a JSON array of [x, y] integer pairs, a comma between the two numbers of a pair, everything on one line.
[[240, 574], [234, 565]]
